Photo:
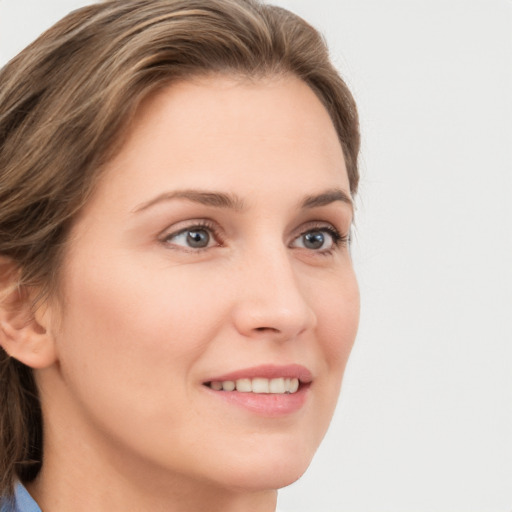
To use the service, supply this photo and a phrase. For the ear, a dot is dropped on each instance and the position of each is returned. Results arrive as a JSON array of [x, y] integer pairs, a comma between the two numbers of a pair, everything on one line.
[[24, 327]]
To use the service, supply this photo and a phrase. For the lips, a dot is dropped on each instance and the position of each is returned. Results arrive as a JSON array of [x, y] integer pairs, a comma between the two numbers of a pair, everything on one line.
[[269, 390]]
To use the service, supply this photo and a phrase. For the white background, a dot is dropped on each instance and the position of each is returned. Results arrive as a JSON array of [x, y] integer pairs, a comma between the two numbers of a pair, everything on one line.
[[425, 418]]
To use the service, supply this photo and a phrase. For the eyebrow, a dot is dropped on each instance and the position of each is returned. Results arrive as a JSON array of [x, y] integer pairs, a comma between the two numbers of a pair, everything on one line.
[[233, 202], [328, 197], [215, 199]]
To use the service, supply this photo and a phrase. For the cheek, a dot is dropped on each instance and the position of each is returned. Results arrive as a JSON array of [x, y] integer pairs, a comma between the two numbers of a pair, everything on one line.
[[124, 327], [131, 304], [137, 320], [128, 346], [338, 319]]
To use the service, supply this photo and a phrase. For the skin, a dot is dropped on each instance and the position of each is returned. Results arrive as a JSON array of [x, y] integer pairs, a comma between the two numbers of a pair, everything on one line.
[[144, 319]]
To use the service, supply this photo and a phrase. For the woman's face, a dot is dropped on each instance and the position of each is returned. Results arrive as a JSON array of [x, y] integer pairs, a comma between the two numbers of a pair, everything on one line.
[[213, 252]]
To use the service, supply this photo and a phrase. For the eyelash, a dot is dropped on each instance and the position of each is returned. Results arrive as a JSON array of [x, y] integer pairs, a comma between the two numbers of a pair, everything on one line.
[[197, 225], [338, 239]]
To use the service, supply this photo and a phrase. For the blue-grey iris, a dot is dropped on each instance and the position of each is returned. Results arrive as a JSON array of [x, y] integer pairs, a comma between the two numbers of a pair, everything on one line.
[[314, 240], [198, 238]]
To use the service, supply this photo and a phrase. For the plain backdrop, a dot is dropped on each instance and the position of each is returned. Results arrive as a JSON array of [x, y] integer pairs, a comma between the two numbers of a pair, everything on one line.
[[424, 422]]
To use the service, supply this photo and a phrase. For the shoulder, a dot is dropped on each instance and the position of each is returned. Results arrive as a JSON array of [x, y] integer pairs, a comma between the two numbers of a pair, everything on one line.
[[22, 502]]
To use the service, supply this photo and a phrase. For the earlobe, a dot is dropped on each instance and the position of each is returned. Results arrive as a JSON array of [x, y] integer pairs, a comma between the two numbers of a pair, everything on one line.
[[24, 333]]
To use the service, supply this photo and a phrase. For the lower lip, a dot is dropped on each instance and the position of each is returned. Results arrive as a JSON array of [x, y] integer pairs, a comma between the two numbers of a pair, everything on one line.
[[272, 405]]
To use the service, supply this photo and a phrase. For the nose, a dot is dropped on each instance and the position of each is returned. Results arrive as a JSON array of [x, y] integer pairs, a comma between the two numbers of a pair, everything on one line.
[[271, 301]]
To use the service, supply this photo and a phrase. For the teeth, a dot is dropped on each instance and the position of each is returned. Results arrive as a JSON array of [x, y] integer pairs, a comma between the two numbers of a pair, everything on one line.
[[261, 385], [217, 386], [244, 385], [277, 386], [228, 385], [294, 385]]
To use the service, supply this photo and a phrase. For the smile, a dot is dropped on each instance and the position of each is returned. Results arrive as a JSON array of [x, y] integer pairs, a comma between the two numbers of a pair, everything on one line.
[[267, 390], [280, 385]]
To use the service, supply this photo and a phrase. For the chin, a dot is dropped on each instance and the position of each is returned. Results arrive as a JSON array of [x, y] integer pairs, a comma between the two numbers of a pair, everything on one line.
[[271, 478], [275, 471]]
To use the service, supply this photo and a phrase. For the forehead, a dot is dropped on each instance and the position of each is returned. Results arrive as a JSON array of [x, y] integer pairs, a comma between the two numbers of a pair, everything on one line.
[[229, 132]]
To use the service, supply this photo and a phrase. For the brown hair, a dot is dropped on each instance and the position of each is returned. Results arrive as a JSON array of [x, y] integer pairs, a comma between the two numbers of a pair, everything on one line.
[[64, 104]]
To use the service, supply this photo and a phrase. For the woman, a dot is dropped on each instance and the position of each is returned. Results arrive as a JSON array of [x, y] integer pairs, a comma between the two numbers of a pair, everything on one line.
[[178, 298]]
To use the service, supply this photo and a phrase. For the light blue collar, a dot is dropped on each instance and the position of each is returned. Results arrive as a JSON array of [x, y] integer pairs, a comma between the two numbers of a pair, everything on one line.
[[23, 502]]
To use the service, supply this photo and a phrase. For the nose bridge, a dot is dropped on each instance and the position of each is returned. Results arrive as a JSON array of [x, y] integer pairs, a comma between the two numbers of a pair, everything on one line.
[[270, 297]]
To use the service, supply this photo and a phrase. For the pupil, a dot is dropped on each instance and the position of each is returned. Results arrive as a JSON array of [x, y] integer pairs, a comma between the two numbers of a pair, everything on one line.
[[314, 240], [198, 238]]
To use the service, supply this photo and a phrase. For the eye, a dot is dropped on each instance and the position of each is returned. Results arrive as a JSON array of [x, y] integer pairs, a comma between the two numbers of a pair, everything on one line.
[[323, 239], [193, 237]]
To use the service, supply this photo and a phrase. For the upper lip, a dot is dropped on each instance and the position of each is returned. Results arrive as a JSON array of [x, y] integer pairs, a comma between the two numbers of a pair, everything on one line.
[[267, 371]]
